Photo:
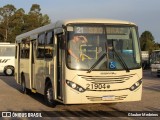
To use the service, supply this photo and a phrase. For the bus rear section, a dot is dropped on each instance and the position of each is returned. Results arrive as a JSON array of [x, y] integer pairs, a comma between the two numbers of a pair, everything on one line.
[[7, 58]]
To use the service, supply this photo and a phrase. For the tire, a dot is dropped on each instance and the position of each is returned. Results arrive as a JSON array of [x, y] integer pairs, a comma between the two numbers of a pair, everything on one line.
[[48, 95], [9, 71]]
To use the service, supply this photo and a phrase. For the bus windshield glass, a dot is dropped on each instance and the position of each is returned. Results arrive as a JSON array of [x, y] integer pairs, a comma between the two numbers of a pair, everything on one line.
[[86, 44], [7, 51]]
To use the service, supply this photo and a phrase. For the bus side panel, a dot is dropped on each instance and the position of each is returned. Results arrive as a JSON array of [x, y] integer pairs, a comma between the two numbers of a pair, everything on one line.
[[44, 69], [24, 68], [40, 75]]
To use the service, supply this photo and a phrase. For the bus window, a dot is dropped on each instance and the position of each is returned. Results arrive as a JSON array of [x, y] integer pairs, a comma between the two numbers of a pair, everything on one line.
[[49, 38], [49, 45], [25, 48], [40, 48], [41, 39], [7, 51], [122, 38]]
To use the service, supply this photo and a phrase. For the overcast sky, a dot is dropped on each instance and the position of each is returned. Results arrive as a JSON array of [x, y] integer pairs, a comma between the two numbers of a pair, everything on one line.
[[145, 13]]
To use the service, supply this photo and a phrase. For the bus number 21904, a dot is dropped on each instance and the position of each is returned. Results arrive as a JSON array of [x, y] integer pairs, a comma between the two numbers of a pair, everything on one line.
[[97, 86]]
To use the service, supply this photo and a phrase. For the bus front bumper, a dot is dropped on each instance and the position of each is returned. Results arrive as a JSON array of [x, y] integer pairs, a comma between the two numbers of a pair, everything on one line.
[[75, 97]]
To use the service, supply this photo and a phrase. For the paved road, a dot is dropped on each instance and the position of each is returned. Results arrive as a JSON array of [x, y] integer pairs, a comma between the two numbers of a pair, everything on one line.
[[11, 99]]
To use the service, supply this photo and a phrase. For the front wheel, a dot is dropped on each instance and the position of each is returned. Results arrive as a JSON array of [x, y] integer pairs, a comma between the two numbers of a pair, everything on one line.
[[48, 95], [9, 71]]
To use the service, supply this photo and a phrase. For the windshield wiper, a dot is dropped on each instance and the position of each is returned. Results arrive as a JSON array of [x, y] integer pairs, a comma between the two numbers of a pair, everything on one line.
[[104, 54], [96, 63], [121, 60]]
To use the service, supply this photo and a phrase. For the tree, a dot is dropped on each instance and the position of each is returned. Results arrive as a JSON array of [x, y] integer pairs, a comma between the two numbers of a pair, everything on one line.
[[6, 13], [156, 46], [14, 22], [147, 41], [35, 19], [17, 23], [35, 9]]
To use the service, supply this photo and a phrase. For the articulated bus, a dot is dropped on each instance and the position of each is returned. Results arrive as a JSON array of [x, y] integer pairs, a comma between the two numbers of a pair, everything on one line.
[[7, 58], [108, 69]]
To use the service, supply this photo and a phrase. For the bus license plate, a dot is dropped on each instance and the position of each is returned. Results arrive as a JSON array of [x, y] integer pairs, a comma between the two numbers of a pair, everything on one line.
[[109, 97], [100, 86]]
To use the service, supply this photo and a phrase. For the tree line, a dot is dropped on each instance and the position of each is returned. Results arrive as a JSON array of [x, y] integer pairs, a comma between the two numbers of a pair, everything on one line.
[[15, 21], [148, 43]]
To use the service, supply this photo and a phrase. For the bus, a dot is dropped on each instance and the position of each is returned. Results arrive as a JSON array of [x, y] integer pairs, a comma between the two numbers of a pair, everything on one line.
[[155, 62], [109, 68], [7, 58]]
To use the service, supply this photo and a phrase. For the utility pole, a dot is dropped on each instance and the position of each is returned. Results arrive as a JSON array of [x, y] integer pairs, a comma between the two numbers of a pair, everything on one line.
[[7, 15]]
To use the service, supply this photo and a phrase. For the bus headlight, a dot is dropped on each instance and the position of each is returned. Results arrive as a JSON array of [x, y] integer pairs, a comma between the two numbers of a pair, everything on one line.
[[75, 86], [136, 85]]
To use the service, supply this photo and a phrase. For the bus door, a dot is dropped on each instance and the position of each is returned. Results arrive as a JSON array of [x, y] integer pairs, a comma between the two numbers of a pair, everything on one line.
[[24, 63], [60, 75], [32, 65]]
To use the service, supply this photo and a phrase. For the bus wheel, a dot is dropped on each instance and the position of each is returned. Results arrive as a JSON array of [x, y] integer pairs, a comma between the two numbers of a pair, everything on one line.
[[9, 71], [48, 95]]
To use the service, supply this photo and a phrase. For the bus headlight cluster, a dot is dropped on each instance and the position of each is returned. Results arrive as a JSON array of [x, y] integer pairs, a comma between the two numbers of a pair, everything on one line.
[[136, 85], [75, 86]]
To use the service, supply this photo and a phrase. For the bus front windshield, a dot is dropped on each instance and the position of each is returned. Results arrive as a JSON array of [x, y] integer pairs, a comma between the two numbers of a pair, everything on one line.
[[102, 47]]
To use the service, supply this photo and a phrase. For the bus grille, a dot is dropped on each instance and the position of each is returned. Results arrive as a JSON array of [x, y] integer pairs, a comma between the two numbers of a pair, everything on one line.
[[94, 98], [107, 79]]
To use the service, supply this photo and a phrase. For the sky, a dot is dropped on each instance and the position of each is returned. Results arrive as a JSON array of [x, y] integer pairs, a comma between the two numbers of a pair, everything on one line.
[[145, 13]]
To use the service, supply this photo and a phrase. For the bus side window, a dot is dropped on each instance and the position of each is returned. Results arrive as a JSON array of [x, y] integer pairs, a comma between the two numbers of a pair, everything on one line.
[[25, 48], [50, 38], [40, 48], [49, 45]]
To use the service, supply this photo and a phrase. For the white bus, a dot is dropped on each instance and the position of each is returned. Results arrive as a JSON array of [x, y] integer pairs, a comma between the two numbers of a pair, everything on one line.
[[155, 62], [108, 69], [7, 58]]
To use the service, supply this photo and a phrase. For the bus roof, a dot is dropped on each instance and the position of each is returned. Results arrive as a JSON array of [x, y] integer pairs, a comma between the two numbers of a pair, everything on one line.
[[109, 21], [60, 23]]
